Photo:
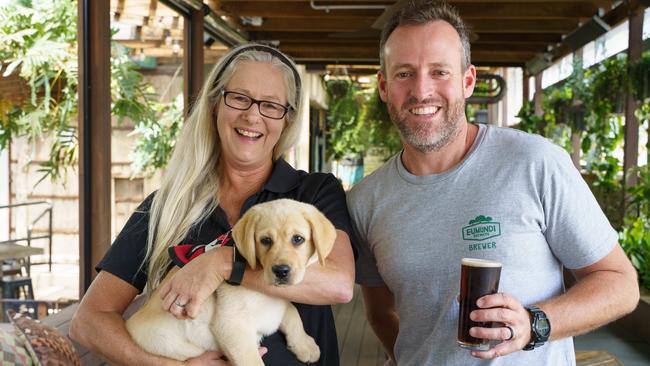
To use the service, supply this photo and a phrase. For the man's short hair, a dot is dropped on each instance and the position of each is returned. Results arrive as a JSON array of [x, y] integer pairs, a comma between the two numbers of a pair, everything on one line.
[[420, 12]]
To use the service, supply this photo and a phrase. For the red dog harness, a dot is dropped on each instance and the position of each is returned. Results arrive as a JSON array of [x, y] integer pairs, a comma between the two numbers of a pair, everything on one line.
[[182, 254]]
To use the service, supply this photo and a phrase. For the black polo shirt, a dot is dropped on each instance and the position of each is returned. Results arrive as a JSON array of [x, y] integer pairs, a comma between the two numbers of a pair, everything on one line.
[[319, 189]]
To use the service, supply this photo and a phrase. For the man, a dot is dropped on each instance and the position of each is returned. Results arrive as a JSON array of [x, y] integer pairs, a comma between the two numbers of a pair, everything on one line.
[[419, 214]]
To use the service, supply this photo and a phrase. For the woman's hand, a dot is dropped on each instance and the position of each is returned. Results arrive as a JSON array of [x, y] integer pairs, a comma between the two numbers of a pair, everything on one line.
[[192, 284], [214, 358]]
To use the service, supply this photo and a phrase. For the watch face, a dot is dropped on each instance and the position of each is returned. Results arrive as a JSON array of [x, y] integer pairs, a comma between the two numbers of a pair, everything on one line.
[[543, 327]]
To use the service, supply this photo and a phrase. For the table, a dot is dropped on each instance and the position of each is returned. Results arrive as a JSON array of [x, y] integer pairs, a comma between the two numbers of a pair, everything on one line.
[[17, 251]]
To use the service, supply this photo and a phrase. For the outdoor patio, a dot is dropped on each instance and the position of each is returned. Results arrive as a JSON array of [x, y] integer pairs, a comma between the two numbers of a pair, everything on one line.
[[555, 68]]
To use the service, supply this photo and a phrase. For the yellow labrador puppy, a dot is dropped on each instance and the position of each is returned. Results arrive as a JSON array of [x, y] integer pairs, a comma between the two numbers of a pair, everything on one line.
[[285, 237]]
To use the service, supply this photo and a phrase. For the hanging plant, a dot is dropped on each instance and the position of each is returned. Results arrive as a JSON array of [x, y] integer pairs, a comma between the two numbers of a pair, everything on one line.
[[609, 85], [375, 125], [528, 120], [38, 41], [357, 120], [639, 76]]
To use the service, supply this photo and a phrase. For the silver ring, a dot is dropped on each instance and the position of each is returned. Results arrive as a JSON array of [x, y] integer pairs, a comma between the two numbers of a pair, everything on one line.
[[177, 303], [512, 333]]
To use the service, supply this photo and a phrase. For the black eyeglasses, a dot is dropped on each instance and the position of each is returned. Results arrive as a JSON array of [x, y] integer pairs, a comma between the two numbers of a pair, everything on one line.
[[243, 102]]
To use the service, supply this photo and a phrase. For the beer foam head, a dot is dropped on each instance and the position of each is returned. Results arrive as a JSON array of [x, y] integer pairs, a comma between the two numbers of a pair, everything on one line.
[[474, 262]]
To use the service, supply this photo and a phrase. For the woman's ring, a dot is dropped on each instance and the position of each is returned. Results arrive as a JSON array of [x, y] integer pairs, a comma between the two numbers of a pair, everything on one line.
[[177, 303], [512, 333]]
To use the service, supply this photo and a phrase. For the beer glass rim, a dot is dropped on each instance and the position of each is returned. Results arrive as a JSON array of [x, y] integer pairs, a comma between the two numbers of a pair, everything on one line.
[[476, 262]]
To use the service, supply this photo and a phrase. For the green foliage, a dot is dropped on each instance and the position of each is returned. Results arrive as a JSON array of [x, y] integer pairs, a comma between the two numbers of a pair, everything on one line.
[[156, 123], [609, 84], [586, 102], [604, 127], [635, 240], [635, 234], [590, 102], [357, 119], [639, 77], [158, 136], [529, 121], [40, 42], [555, 121]]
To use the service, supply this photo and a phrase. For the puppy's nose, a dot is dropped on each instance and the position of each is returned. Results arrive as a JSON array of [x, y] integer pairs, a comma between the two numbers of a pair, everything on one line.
[[281, 270]]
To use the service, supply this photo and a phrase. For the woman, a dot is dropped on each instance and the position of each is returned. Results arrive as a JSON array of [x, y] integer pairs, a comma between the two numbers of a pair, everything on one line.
[[226, 160]]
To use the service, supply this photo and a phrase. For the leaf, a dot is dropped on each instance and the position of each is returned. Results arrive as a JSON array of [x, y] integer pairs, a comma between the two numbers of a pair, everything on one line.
[[11, 67]]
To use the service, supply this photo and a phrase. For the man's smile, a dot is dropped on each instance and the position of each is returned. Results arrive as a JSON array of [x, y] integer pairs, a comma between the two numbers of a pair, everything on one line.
[[424, 110]]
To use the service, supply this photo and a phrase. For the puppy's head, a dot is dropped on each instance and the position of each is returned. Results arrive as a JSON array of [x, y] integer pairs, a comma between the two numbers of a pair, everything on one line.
[[285, 236]]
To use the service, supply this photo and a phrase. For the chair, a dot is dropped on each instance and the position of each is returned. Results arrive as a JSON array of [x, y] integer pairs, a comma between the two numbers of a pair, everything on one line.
[[34, 308], [17, 287], [13, 267], [37, 309]]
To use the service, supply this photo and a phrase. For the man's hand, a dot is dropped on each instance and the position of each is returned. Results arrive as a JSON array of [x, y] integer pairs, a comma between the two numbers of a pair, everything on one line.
[[508, 311], [192, 284], [214, 358]]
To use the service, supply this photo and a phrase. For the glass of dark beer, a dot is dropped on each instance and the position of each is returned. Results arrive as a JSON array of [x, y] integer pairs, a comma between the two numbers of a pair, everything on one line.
[[478, 277]]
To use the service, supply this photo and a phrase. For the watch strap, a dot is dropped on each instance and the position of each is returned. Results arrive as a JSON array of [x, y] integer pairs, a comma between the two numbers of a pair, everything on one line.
[[238, 267], [535, 341]]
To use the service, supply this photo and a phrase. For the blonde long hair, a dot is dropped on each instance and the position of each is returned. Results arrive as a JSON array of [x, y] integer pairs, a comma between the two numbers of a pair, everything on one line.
[[189, 191]]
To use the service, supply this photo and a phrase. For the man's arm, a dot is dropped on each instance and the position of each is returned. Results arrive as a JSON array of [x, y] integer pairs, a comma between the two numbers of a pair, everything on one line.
[[382, 316], [605, 291]]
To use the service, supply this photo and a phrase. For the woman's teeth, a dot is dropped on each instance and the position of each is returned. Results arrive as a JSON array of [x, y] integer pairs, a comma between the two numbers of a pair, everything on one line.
[[426, 110], [248, 133]]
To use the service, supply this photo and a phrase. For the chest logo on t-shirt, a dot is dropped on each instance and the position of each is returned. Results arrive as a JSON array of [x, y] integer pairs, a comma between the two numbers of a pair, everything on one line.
[[481, 229]]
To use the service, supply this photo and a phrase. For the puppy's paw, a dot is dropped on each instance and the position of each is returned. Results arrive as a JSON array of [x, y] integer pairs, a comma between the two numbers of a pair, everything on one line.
[[306, 349]]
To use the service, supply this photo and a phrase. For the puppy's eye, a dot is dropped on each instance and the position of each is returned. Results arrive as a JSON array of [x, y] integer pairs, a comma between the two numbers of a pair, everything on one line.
[[297, 240], [266, 241]]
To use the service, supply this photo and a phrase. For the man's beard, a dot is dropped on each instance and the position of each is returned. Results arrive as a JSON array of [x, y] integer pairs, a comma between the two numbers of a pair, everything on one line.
[[422, 136]]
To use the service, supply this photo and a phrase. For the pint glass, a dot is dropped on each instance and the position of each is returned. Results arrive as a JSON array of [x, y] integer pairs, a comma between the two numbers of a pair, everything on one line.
[[478, 277]]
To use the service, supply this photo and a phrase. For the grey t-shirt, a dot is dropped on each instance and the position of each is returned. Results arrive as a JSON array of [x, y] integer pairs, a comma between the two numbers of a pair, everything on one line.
[[515, 198]]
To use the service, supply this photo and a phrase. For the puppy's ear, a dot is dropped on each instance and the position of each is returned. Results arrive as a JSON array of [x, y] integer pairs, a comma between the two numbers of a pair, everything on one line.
[[244, 235], [323, 232]]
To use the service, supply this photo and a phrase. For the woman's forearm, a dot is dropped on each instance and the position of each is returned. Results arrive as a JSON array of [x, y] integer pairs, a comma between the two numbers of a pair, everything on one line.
[[331, 283], [105, 334]]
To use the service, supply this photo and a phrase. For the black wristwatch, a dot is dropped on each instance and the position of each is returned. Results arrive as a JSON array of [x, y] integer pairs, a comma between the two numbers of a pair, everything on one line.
[[238, 267], [540, 328]]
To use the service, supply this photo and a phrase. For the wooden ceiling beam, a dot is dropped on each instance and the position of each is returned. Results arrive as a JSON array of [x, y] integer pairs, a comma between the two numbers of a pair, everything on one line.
[[487, 10], [602, 3], [302, 25], [486, 37], [502, 56], [529, 47], [344, 25], [557, 26], [287, 9], [331, 52], [493, 47], [314, 35], [373, 37]]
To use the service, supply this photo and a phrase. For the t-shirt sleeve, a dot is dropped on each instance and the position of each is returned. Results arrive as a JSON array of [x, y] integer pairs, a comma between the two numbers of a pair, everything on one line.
[[577, 230], [366, 271], [125, 256], [330, 200]]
